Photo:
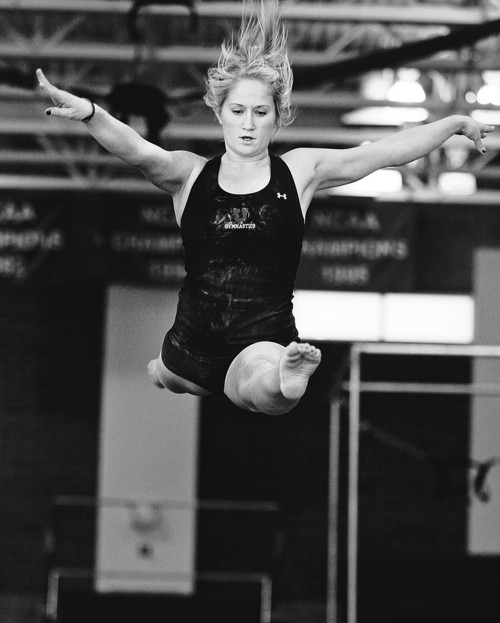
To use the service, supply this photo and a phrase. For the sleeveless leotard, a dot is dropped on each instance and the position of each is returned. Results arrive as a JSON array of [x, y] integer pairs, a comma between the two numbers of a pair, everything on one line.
[[241, 256]]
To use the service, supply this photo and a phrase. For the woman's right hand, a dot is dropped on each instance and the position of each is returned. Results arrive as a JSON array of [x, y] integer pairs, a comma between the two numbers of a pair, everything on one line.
[[67, 105]]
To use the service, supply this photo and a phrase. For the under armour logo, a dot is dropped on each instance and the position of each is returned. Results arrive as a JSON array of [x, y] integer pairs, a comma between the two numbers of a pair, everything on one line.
[[281, 196]]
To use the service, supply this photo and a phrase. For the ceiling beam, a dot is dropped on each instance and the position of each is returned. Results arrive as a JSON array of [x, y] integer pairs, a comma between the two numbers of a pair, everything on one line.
[[52, 144], [431, 15], [125, 54]]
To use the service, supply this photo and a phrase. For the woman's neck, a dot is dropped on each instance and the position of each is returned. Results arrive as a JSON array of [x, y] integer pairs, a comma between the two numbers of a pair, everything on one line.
[[235, 158], [245, 175]]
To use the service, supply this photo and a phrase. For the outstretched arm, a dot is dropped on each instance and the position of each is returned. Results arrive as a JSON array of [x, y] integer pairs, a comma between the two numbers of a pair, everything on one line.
[[335, 167], [168, 170]]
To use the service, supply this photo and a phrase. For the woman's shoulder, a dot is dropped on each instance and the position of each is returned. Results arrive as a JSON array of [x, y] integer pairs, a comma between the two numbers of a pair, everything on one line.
[[299, 158], [191, 163], [196, 167], [170, 170], [302, 164]]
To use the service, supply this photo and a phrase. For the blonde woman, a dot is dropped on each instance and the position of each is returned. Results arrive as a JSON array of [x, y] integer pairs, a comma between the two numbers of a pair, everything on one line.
[[241, 217]]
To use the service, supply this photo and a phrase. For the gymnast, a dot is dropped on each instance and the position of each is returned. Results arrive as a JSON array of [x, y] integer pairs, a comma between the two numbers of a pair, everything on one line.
[[241, 217]]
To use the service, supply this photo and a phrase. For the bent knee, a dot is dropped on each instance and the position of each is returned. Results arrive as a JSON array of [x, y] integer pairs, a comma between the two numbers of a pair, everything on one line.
[[251, 381]]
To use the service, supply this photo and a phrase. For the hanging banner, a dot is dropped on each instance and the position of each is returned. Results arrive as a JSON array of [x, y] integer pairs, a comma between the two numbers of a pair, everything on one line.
[[350, 244], [33, 238], [144, 242], [49, 237], [358, 246]]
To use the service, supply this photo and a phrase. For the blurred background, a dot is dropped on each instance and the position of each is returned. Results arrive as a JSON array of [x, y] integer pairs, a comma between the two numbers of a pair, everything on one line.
[[377, 498]]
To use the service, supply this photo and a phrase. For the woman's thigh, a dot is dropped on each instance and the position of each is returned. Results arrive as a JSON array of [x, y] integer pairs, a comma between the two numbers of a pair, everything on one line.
[[205, 372], [176, 383]]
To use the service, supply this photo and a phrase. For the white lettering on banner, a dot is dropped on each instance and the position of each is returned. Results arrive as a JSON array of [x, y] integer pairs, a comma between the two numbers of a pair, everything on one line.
[[369, 249], [166, 270], [12, 212], [122, 242], [346, 220], [32, 240], [12, 266], [27, 236], [345, 274], [157, 215], [358, 246]]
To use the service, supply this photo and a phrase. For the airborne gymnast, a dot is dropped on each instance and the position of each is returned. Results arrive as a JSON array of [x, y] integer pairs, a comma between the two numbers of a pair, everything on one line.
[[241, 217]]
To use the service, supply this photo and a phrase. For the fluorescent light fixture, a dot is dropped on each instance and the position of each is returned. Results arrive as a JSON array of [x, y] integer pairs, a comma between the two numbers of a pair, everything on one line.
[[429, 318], [377, 183], [491, 117], [385, 115], [333, 316], [338, 316], [457, 183], [407, 88], [489, 92], [375, 84], [381, 85]]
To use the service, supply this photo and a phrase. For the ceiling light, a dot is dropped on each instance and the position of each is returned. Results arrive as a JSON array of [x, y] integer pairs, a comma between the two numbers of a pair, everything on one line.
[[457, 183], [491, 117], [489, 93], [377, 183], [406, 88], [394, 116]]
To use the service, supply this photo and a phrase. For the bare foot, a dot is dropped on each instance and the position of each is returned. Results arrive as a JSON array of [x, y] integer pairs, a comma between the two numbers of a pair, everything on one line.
[[296, 365], [153, 375]]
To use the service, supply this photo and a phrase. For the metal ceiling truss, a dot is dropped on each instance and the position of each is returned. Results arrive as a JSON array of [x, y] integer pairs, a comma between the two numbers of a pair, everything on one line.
[[87, 44]]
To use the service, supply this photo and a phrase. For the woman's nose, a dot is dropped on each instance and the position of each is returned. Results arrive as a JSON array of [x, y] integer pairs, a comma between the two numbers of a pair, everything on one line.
[[248, 121]]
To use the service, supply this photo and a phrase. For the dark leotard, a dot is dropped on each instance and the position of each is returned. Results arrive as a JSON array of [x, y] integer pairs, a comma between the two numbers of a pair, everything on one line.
[[241, 254]]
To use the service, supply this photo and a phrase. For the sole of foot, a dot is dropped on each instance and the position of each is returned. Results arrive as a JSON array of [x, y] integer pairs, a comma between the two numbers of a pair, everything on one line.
[[297, 364]]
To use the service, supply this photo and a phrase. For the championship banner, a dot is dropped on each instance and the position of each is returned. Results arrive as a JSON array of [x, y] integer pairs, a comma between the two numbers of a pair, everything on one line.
[[49, 237], [358, 245], [33, 237], [143, 241]]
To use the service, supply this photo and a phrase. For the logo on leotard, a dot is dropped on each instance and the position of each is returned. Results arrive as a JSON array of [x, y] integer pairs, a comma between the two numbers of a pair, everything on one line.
[[281, 196], [238, 217]]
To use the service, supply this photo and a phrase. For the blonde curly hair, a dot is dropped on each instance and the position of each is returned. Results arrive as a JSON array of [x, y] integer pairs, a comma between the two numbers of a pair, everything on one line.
[[259, 53]]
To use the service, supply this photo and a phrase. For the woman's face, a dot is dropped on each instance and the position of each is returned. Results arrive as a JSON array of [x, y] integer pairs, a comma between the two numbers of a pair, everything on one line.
[[248, 118]]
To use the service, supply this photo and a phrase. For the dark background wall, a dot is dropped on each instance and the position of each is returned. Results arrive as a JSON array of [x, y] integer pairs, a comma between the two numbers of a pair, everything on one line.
[[446, 237], [412, 545], [50, 358]]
